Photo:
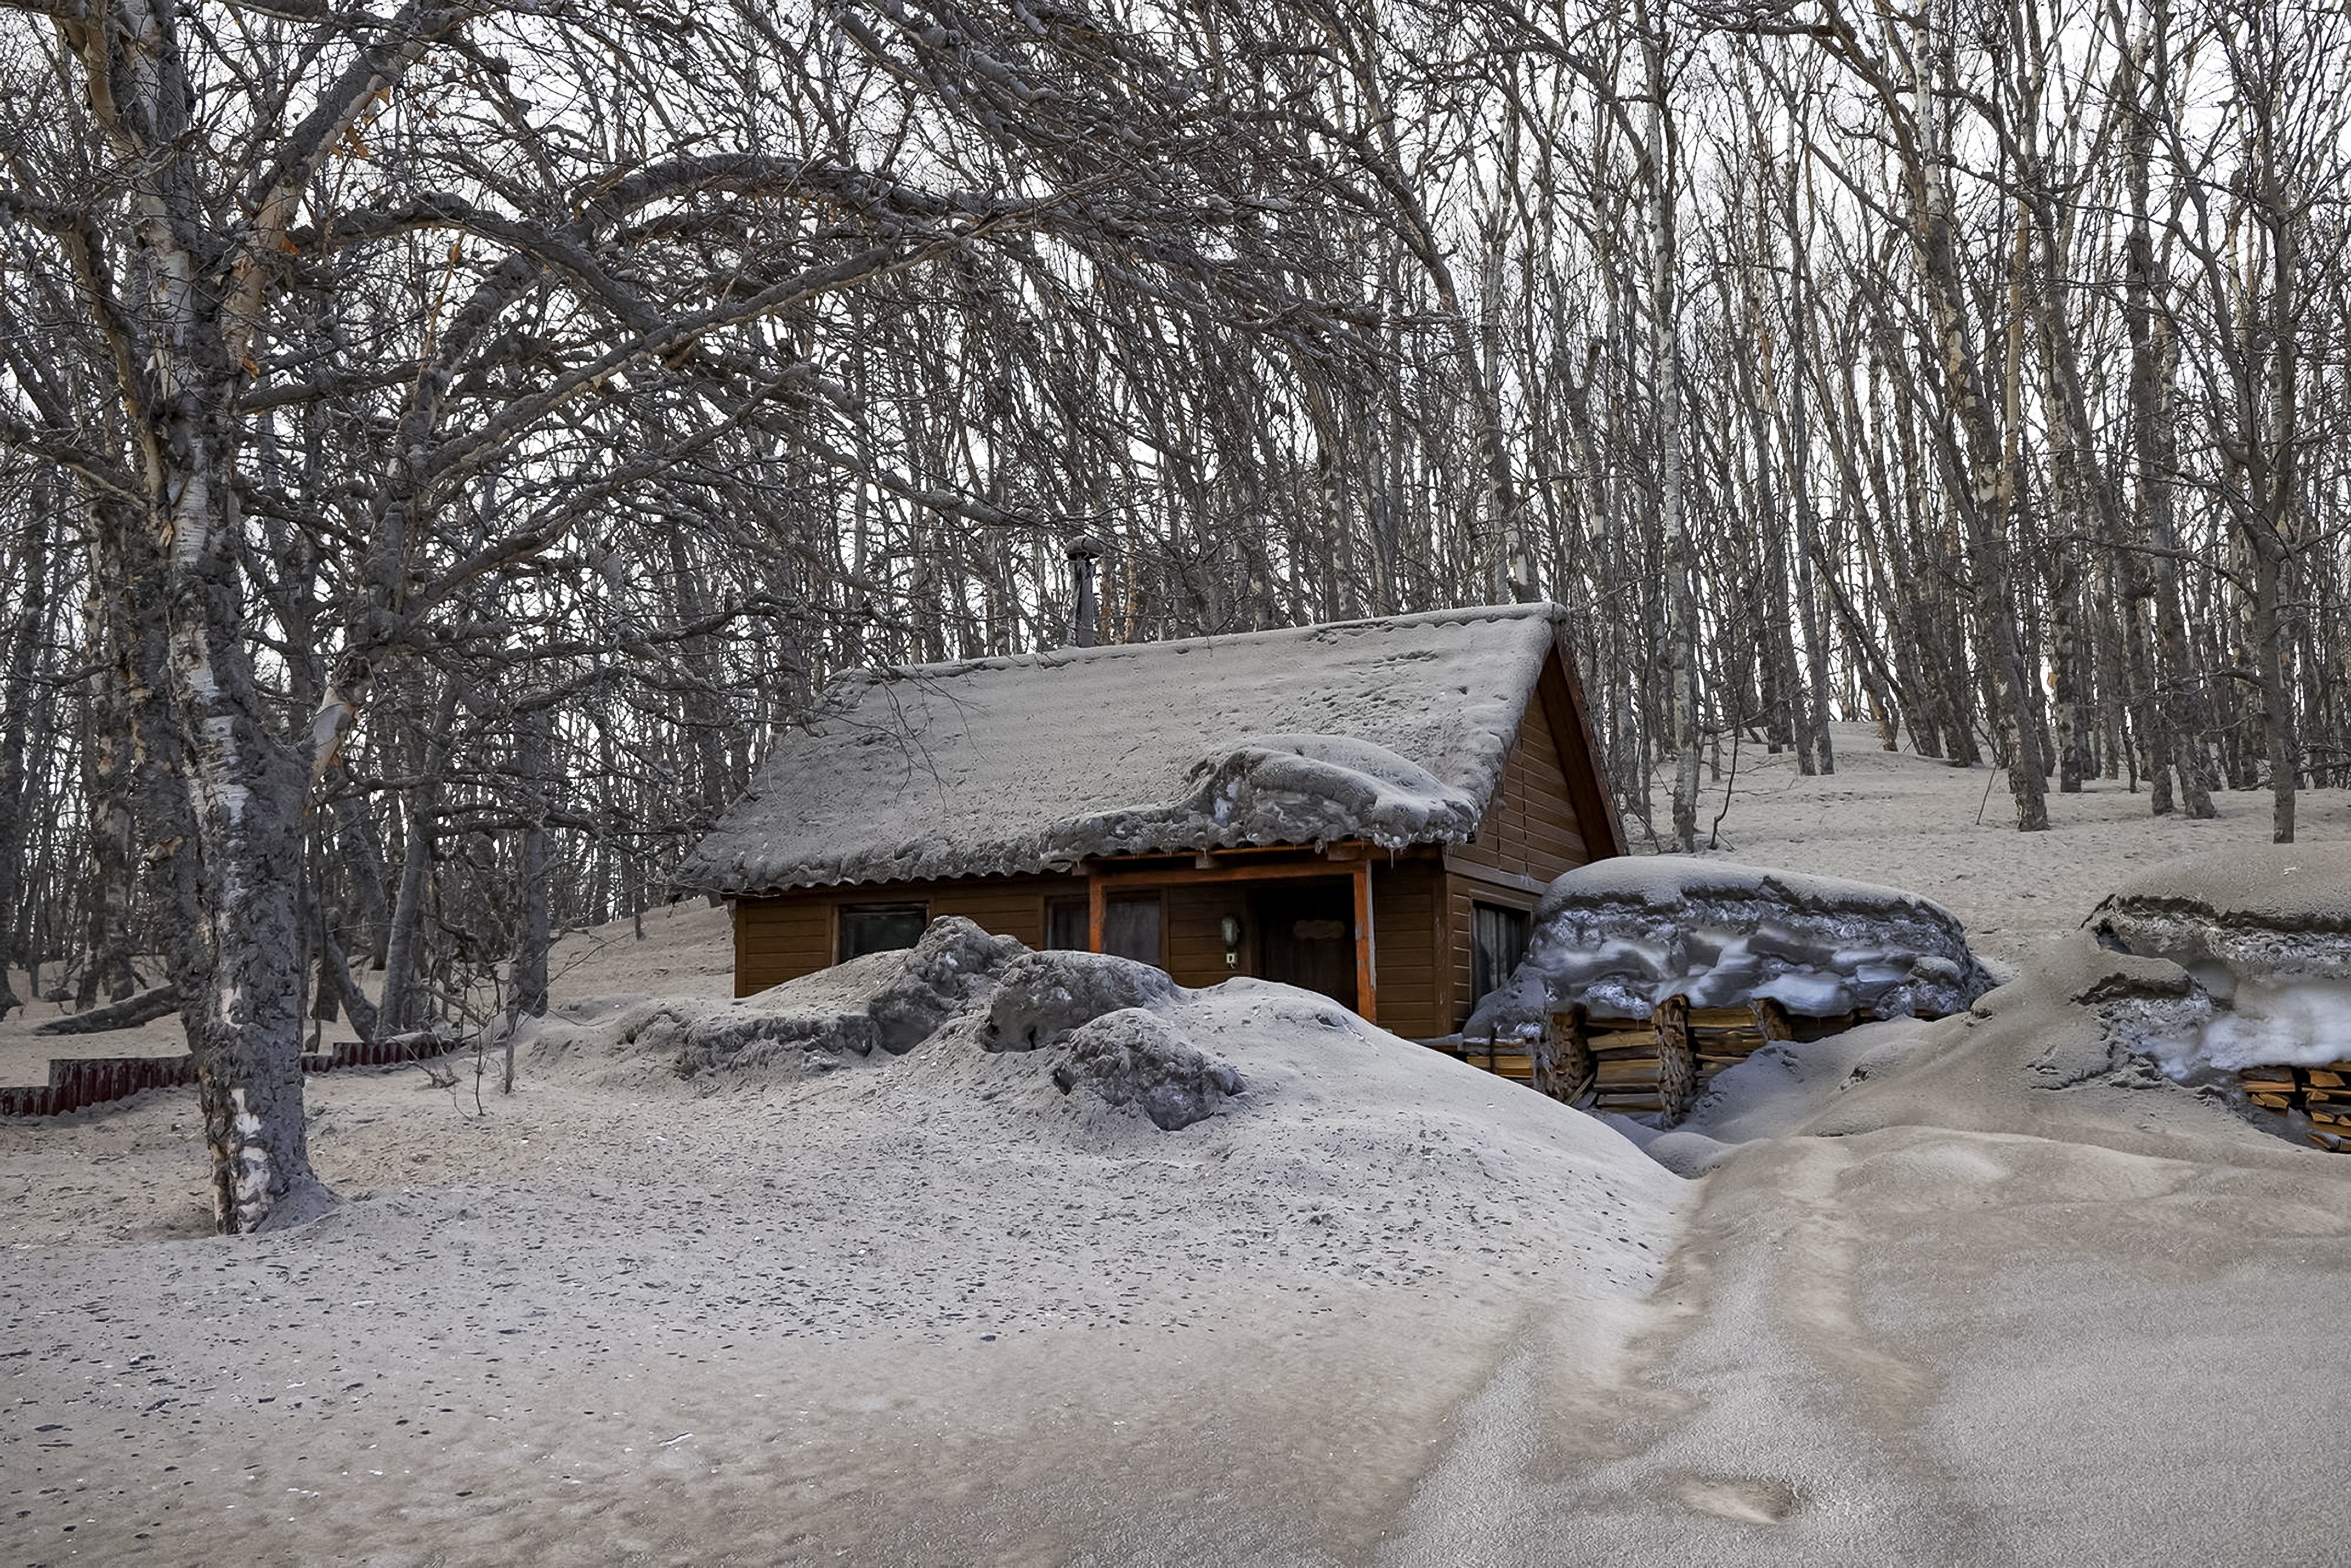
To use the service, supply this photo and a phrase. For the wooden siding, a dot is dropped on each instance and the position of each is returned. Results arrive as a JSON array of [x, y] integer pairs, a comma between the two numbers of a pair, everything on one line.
[[779, 939], [1407, 904], [790, 934], [1531, 829], [1561, 699], [1533, 832], [1195, 930], [1460, 893]]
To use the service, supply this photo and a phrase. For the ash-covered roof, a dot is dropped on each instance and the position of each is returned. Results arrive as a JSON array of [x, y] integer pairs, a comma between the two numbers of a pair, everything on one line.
[[1391, 730]]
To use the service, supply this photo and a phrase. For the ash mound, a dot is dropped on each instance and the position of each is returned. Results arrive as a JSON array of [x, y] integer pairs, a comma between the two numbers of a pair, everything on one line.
[[1134, 1057], [1041, 996], [1245, 1096], [1621, 936], [2263, 936], [1078, 1130], [886, 1002], [2064, 1053], [2091, 1044], [1101, 1019], [2271, 911]]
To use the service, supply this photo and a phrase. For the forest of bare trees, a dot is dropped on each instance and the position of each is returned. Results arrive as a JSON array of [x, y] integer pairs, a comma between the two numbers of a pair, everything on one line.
[[438, 447]]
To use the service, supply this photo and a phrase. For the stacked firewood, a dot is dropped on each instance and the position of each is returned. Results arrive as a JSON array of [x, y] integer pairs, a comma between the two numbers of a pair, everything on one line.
[[1661, 1064], [2320, 1094], [1626, 1074], [1517, 1060], [1722, 1038]]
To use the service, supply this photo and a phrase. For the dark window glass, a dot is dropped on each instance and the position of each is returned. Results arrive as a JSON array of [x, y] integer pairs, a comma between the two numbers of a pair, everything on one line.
[[1131, 928], [1497, 941], [879, 928], [1065, 924]]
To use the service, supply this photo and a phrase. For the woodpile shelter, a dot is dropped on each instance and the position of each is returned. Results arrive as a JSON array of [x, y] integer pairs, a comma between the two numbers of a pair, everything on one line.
[[1370, 810]]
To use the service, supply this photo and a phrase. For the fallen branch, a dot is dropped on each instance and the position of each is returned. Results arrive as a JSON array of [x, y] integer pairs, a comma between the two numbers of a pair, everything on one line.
[[144, 1008]]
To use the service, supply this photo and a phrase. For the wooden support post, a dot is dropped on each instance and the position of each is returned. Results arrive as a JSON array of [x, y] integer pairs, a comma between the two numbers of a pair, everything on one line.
[[1367, 970], [1676, 1062], [1771, 1018], [1097, 910]]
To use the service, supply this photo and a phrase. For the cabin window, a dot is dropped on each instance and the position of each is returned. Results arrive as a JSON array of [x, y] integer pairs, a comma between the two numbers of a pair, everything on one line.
[[1066, 920], [1130, 928], [879, 928], [1498, 940]]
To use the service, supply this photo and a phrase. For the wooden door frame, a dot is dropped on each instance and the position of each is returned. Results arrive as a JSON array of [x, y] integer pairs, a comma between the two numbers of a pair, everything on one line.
[[1357, 869]]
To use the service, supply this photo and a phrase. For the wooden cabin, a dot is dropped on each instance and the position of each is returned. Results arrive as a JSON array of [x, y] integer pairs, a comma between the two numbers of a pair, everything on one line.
[[1370, 808]]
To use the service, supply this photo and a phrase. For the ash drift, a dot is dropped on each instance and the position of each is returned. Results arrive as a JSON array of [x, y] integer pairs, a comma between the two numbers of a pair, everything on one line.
[[1070, 1068], [1622, 936], [2264, 935]]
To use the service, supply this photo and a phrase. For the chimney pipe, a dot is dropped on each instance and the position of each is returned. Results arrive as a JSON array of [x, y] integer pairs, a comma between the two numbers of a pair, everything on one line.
[[1085, 615]]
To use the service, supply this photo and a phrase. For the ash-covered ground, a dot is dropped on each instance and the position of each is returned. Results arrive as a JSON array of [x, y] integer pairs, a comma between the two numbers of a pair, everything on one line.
[[1990, 1290], [904, 1264]]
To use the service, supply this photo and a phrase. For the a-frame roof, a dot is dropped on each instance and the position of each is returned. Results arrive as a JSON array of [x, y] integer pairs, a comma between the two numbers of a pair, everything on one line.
[[1391, 730]]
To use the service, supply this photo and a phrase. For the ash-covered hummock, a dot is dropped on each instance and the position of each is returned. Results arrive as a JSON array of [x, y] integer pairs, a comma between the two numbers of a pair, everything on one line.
[[1134, 1057], [2268, 910], [1296, 789], [1041, 996], [959, 996], [2265, 932], [889, 1002], [1619, 936]]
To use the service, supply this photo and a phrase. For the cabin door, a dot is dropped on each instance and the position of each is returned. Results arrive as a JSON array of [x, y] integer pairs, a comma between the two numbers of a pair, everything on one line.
[[1306, 936]]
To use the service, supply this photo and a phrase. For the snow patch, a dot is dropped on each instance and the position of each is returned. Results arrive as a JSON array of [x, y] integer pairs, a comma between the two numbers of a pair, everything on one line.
[[2303, 1023]]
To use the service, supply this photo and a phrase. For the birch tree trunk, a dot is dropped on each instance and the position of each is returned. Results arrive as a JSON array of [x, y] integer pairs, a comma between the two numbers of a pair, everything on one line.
[[1984, 491], [2178, 716], [1681, 606], [247, 788], [181, 342], [108, 782], [401, 1008], [1815, 697]]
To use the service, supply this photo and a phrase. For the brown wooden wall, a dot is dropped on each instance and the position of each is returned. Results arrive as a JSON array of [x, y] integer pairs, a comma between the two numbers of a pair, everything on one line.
[[1194, 930], [792, 934], [789, 935], [1532, 834], [1407, 931], [1531, 829], [1460, 894]]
